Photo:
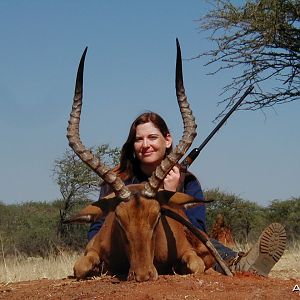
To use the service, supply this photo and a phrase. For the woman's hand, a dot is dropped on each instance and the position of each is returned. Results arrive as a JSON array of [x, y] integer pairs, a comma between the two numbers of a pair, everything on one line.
[[171, 181]]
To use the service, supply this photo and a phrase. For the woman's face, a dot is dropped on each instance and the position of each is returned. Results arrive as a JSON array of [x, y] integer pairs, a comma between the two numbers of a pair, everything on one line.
[[150, 145]]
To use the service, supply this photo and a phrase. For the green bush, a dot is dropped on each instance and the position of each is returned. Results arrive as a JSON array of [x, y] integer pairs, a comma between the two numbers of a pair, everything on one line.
[[288, 214], [34, 228], [245, 218]]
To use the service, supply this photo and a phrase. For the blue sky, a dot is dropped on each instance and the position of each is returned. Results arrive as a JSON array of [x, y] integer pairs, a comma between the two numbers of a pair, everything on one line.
[[129, 69]]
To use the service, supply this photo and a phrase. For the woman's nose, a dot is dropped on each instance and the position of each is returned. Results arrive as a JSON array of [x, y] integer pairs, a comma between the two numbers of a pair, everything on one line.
[[145, 143]]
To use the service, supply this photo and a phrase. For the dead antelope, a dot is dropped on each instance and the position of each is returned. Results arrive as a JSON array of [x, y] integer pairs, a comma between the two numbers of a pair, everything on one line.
[[135, 238]]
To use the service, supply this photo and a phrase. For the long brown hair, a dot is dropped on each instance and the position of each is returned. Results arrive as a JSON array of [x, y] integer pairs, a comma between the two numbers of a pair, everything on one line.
[[129, 165]]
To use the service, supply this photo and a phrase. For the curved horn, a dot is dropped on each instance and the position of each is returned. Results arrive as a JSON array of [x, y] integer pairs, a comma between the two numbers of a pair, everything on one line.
[[189, 133], [84, 154]]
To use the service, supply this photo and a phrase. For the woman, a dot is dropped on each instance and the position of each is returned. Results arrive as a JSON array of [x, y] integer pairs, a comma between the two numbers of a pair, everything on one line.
[[148, 143]]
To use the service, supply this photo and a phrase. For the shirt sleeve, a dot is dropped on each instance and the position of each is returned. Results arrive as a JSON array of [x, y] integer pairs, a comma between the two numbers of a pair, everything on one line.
[[197, 212], [192, 187]]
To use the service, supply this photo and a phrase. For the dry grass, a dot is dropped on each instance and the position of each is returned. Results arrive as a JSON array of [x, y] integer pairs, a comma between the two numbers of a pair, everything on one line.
[[289, 264], [18, 268], [14, 269]]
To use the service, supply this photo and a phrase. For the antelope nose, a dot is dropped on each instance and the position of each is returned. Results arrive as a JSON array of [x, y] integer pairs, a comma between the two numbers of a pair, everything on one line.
[[150, 275], [143, 277]]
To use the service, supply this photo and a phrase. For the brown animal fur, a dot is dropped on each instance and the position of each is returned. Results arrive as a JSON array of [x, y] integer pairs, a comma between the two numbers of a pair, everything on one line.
[[136, 240]]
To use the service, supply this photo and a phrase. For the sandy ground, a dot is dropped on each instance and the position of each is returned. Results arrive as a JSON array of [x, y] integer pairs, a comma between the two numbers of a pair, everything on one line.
[[279, 285], [171, 287]]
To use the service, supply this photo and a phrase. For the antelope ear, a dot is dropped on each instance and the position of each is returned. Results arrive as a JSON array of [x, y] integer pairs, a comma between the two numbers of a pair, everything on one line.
[[89, 214], [96, 210], [164, 196]]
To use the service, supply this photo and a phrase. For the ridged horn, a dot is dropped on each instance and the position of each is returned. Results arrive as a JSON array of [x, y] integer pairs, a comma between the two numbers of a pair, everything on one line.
[[84, 154], [189, 133]]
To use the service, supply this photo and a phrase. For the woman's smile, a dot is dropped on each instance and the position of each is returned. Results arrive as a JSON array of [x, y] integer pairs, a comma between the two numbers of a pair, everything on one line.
[[147, 153]]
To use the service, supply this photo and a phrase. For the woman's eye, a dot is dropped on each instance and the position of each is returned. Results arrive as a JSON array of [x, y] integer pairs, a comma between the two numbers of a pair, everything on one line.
[[153, 137]]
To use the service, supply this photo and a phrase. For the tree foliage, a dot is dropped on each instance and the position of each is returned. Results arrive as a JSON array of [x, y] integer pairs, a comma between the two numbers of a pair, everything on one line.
[[75, 179], [260, 40], [288, 214], [78, 184], [245, 218], [31, 229]]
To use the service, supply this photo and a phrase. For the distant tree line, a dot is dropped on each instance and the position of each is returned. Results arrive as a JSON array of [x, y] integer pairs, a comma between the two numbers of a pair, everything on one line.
[[247, 219], [33, 228]]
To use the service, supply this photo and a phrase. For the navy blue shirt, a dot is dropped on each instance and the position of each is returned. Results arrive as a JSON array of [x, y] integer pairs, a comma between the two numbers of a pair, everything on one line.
[[196, 212]]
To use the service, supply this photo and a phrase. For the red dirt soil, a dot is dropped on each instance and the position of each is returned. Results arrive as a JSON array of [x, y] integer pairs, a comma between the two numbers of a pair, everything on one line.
[[171, 287]]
